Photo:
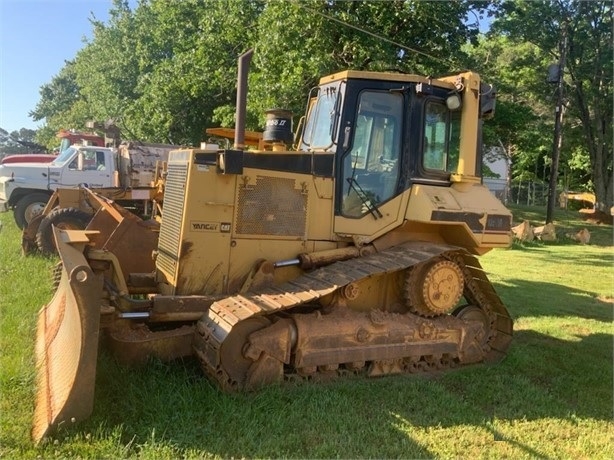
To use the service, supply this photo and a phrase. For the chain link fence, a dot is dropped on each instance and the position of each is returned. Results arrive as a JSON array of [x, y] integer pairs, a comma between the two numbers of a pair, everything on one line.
[[530, 193]]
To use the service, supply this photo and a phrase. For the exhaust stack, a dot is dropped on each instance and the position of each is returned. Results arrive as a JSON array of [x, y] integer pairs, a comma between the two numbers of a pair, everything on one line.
[[244, 61]]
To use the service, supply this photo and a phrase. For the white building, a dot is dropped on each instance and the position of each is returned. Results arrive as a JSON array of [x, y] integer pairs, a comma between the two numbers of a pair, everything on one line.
[[498, 163]]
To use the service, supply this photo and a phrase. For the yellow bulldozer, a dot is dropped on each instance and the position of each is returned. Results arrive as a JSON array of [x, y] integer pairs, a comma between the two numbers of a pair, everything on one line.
[[349, 247]]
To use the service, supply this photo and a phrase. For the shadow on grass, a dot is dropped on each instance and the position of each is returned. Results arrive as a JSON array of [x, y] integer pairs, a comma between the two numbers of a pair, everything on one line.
[[525, 298], [591, 260], [295, 420], [542, 377]]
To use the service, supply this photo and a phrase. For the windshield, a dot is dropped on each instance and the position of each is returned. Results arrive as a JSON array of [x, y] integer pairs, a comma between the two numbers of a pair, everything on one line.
[[64, 156], [321, 119]]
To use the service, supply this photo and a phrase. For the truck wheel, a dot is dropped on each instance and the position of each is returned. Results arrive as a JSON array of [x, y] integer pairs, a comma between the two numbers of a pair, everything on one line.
[[29, 207], [64, 218]]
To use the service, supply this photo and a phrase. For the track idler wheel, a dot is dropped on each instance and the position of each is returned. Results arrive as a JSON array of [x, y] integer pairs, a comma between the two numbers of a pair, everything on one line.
[[254, 353], [232, 351], [474, 313], [434, 287], [495, 336]]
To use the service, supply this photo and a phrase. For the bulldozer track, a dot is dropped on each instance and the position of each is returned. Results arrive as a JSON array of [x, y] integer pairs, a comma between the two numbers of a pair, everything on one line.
[[225, 315]]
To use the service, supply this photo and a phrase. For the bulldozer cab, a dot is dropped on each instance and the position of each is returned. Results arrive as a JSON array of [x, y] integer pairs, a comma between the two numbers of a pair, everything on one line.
[[388, 132]]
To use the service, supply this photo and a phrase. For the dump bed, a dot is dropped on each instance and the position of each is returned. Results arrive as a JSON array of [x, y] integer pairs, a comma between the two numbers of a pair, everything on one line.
[[137, 163]]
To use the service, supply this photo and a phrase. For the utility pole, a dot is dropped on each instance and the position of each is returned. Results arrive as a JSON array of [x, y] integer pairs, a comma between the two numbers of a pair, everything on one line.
[[558, 122]]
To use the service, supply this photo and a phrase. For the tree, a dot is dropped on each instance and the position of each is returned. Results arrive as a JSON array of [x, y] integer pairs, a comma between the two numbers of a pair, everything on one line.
[[521, 125], [22, 141], [299, 42], [61, 105], [164, 71], [161, 70], [589, 70]]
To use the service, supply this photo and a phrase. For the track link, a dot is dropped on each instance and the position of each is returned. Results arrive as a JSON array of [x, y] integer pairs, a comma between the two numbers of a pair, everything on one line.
[[251, 310]]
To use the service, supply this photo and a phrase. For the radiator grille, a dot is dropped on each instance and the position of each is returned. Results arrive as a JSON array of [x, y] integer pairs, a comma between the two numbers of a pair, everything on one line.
[[272, 206], [170, 229]]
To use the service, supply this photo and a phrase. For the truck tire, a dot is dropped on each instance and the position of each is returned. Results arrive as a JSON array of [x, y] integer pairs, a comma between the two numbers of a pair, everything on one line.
[[64, 218], [28, 207]]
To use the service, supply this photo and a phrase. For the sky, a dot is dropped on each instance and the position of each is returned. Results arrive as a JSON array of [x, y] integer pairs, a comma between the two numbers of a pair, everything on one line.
[[36, 38]]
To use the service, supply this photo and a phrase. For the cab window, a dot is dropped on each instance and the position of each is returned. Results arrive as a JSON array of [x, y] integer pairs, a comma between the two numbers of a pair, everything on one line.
[[64, 156], [100, 165], [89, 160], [370, 168], [441, 138], [321, 119]]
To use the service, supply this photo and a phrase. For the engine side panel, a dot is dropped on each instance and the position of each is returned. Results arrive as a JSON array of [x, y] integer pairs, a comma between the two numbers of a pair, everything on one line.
[[466, 215]]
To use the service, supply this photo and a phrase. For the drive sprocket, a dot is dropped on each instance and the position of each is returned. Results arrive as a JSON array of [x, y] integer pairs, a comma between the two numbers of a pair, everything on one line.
[[434, 287]]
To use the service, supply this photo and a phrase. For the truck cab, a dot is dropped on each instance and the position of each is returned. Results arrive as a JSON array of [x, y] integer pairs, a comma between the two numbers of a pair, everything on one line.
[[26, 187], [93, 166]]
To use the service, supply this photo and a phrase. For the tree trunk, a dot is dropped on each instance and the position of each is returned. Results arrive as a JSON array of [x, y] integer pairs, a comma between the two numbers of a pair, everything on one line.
[[594, 131]]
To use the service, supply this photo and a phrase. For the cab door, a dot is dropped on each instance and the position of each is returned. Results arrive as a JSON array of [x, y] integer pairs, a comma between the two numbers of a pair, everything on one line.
[[369, 201], [92, 167]]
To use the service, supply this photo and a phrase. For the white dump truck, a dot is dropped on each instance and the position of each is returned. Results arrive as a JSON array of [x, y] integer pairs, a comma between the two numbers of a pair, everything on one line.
[[126, 174]]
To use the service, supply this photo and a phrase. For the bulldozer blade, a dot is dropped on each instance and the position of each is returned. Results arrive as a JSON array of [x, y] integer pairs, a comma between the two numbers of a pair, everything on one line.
[[67, 341]]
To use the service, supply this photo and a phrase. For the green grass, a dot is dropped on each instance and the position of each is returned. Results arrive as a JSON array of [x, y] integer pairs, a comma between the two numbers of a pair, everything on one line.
[[550, 398]]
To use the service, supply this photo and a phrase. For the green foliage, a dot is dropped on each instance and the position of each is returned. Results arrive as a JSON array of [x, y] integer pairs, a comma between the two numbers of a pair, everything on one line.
[[586, 29], [22, 141], [165, 71], [62, 105], [296, 43], [522, 121], [577, 170], [59, 95]]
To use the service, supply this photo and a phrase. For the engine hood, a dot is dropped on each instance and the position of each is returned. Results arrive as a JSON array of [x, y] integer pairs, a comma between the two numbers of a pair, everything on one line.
[[27, 174], [17, 170]]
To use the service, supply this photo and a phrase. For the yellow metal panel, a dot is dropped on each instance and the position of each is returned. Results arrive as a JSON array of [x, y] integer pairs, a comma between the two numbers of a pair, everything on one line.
[[465, 198], [230, 222], [368, 227], [385, 77], [469, 126], [245, 253], [206, 229], [320, 211]]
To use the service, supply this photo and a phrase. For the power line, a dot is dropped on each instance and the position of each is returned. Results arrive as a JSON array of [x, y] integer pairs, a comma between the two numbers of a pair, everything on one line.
[[372, 34]]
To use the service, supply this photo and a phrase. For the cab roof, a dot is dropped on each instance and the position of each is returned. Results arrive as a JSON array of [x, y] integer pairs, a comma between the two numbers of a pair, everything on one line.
[[384, 76]]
